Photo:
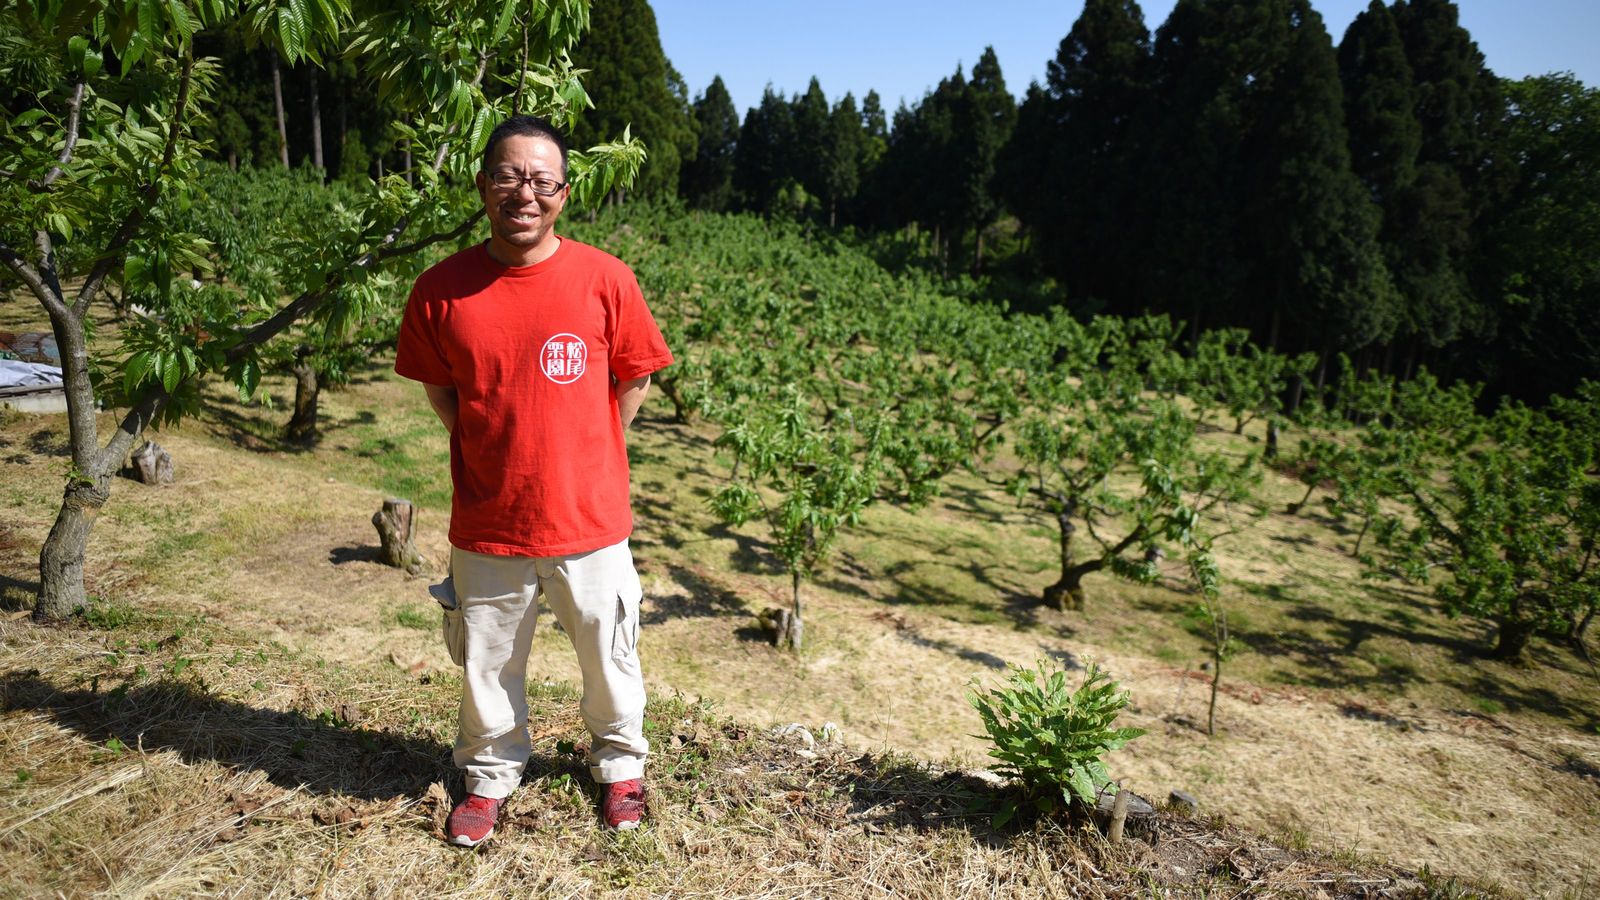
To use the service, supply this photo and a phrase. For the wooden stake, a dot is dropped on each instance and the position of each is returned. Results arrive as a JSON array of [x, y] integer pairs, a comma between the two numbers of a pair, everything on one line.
[[1119, 816]]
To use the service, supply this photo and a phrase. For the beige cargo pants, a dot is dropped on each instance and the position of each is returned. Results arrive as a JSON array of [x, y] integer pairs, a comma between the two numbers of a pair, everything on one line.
[[595, 596]]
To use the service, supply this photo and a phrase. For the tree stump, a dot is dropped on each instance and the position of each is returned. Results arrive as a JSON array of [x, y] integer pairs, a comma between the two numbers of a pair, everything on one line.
[[1139, 820], [783, 627], [396, 524], [151, 464]]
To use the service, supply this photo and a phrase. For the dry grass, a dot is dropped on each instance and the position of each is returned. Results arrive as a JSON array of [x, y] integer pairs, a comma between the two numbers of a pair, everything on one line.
[[1356, 723], [254, 771]]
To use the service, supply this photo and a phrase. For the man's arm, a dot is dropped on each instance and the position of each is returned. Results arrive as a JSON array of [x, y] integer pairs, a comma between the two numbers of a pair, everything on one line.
[[630, 396], [443, 401]]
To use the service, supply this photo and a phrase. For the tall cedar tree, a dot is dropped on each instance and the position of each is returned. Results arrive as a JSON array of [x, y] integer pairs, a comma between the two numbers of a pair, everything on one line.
[[1067, 169], [990, 115], [1380, 105], [706, 181], [1308, 221], [1207, 57], [1385, 140], [911, 186], [873, 207], [761, 162], [846, 143], [1458, 104], [633, 84], [809, 153]]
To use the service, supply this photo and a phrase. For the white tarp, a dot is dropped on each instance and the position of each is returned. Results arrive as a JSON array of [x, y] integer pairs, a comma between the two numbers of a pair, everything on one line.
[[16, 373]]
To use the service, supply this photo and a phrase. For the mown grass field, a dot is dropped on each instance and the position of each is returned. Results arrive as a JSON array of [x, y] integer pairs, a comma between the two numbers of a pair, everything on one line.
[[242, 610]]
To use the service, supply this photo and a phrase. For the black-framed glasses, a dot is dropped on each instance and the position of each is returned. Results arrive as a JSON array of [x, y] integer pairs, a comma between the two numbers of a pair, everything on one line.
[[542, 185]]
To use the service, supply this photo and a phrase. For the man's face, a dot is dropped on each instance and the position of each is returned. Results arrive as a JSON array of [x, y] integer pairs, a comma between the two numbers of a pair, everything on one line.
[[520, 221]]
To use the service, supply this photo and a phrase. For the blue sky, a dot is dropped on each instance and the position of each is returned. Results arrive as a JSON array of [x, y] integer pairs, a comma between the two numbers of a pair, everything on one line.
[[903, 48]]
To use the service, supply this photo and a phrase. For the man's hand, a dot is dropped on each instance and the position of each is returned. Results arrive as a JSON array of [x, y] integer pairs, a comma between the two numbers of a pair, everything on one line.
[[443, 401], [630, 396]]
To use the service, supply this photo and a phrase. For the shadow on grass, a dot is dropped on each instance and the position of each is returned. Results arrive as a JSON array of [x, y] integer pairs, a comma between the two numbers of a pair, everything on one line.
[[1517, 698], [17, 594], [351, 553], [706, 600], [888, 792], [228, 420], [295, 751], [910, 636], [994, 603]]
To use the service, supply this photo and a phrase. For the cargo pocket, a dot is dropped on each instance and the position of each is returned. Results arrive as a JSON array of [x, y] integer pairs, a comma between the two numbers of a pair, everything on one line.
[[452, 628], [625, 636]]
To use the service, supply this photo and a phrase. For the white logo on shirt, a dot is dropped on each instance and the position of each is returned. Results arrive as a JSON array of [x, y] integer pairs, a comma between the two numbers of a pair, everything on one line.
[[564, 358]]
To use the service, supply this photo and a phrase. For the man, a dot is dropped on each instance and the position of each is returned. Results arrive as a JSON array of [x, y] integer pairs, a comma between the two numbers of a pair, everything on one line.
[[536, 352]]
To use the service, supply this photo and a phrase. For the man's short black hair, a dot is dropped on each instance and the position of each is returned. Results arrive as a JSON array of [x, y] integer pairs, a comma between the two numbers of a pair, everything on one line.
[[527, 126]]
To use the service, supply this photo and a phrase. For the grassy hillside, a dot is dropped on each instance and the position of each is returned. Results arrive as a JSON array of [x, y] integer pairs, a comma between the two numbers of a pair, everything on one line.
[[246, 630]]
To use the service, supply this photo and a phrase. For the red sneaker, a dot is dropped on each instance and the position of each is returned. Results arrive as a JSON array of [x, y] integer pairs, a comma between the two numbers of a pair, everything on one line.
[[472, 821], [622, 804]]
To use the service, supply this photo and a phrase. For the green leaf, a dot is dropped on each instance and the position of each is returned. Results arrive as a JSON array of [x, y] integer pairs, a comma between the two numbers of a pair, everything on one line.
[[139, 365], [503, 22], [171, 371], [150, 22], [77, 47], [249, 379]]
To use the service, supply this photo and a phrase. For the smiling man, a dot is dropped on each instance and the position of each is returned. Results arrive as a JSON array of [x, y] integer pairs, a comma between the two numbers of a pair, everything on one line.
[[536, 352]]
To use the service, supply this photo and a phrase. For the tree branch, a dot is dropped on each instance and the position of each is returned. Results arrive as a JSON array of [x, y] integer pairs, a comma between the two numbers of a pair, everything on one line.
[[74, 109], [310, 300], [452, 234], [522, 73], [47, 263], [141, 206], [444, 148], [31, 277]]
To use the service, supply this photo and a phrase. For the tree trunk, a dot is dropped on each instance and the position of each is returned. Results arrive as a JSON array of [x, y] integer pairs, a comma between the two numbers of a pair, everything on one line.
[[1512, 639], [1294, 508], [283, 124], [151, 465], [1067, 594], [344, 128], [680, 406], [405, 160], [1366, 525], [396, 524], [316, 120], [1272, 438], [302, 426], [61, 590], [796, 636], [1216, 681], [977, 254]]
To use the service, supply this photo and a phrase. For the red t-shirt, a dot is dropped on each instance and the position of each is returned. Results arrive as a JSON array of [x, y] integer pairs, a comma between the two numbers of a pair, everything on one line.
[[537, 456]]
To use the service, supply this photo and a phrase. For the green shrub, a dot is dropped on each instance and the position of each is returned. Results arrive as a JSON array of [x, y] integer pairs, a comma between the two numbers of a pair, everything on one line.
[[1052, 739]]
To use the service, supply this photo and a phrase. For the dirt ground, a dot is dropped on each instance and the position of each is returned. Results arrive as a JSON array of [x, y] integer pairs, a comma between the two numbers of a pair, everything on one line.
[[279, 543]]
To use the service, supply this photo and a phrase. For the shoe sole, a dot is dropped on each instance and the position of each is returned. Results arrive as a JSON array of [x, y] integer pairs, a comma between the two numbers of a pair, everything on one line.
[[623, 826], [462, 840]]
